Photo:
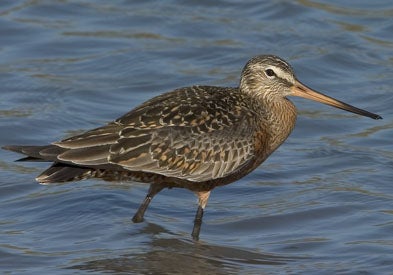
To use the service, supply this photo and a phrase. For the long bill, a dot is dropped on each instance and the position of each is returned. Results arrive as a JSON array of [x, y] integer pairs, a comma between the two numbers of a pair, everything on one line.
[[301, 90]]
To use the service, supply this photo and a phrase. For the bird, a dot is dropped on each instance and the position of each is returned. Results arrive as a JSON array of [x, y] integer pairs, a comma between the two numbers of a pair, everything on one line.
[[196, 137]]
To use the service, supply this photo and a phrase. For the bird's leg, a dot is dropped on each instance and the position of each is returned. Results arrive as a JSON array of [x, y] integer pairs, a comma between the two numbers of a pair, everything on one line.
[[203, 196], [153, 190]]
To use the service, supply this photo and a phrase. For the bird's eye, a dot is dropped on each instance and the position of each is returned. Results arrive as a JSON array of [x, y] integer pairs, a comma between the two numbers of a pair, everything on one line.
[[270, 73]]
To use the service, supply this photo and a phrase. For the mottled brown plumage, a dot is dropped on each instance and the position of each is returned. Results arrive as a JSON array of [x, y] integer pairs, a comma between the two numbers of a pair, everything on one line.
[[196, 137]]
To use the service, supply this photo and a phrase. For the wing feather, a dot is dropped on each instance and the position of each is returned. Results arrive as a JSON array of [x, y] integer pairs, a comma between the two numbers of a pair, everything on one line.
[[195, 133], [107, 134], [87, 156], [181, 152]]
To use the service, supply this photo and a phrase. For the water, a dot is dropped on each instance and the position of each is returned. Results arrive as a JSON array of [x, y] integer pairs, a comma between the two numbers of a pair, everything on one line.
[[321, 203]]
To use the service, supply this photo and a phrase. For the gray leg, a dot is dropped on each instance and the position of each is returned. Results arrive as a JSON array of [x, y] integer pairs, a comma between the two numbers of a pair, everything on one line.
[[197, 223], [202, 201], [153, 190]]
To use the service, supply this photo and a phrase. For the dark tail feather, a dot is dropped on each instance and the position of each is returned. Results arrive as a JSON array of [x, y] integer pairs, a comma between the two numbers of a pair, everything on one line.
[[31, 151], [32, 159], [60, 172], [36, 153]]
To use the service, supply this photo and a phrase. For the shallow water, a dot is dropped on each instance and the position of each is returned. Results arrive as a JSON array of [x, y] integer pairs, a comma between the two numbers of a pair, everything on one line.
[[321, 203]]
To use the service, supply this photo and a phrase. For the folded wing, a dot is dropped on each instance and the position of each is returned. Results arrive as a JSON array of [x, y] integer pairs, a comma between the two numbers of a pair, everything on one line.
[[175, 136]]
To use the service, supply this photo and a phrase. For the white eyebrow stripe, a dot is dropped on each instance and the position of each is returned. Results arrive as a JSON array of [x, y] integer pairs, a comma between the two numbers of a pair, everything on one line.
[[281, 73]]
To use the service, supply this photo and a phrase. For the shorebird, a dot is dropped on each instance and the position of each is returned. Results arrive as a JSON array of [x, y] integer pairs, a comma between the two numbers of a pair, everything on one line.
[[197, 137]]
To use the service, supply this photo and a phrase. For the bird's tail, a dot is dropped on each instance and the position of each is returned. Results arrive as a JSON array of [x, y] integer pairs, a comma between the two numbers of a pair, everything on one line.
[[33, 153], [58, 172]]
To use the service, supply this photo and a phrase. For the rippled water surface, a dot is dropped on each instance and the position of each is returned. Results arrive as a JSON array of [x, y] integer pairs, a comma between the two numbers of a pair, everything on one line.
[[322, 203]]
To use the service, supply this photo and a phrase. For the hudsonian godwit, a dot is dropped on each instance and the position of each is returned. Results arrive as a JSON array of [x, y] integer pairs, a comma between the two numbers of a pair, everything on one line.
[[196, 137]]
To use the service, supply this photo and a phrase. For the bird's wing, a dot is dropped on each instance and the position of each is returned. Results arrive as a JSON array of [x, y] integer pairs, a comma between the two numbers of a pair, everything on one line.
[[194, 134], [183, 152], [88, 149]]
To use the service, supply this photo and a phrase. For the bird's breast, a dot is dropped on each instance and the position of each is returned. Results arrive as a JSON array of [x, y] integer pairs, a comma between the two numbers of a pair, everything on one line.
[[274, 126]]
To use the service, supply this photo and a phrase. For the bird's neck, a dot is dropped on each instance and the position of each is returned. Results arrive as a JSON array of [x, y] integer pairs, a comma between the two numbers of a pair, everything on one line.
[[279, 120]]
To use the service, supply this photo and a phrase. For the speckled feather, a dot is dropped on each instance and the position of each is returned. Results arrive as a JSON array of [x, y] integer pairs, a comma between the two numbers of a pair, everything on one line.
[[187, 134], [197, 137], [190, 135]]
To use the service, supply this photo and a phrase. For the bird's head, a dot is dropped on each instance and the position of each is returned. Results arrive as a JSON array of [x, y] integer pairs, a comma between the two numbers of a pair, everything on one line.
[[272, 79]]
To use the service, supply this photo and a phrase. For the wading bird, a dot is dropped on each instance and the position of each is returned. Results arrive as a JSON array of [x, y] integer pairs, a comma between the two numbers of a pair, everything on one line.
[[197, 137]]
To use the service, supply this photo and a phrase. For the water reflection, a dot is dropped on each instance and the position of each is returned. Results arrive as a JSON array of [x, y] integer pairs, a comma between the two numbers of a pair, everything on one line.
[[178, 256]]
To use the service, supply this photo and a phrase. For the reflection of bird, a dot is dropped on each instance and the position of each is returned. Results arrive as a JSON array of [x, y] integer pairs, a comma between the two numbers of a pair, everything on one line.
[[196, 137]]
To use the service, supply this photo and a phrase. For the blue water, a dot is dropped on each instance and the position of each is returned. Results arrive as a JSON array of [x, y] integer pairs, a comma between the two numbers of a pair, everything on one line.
[[322, 203]]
